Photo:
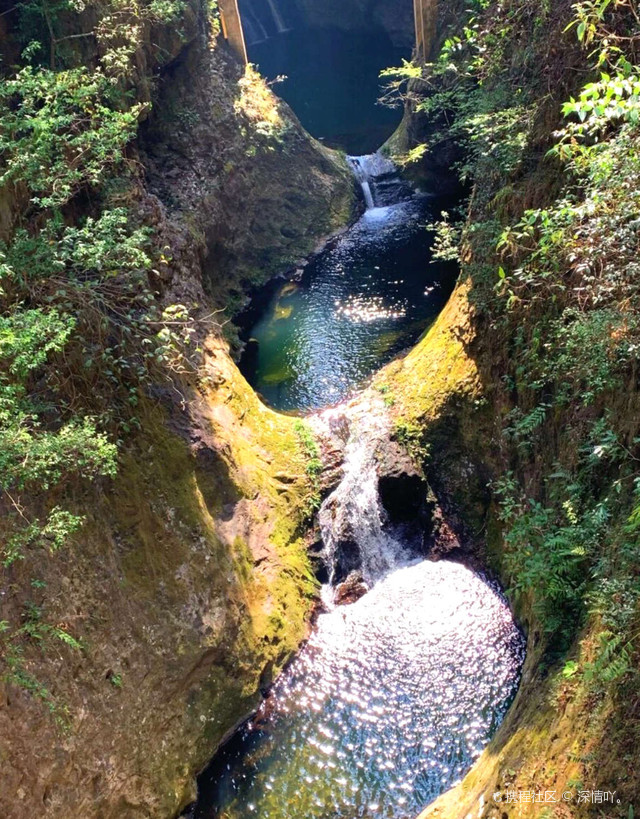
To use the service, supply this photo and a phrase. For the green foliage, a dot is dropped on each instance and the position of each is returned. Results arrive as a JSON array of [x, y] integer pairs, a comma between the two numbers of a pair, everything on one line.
[[313, 466], [446, 244], [93, 277], [574, 265], [52, 534], [84, 328], [571, 556], [31, 456], [570, 669], [411, 437], [489, 125], [589, 17], [97, 251], [62, 130], [412, 156], [523, 424], [601, 107], [27, 337], [613, 661], [547, 552], [33, 631], [44, 30], [397, 79]]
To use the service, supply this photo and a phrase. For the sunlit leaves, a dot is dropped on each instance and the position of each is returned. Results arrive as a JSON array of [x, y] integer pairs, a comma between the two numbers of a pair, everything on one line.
[[62, 130], [27, 337]]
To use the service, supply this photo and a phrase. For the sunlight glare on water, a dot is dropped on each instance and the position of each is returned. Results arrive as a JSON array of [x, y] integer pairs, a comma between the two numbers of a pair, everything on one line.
[[387, 706], [362, 300]]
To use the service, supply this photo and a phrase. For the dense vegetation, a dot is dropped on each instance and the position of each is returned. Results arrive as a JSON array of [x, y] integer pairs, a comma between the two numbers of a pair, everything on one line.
[[551, 245], [84, 326]]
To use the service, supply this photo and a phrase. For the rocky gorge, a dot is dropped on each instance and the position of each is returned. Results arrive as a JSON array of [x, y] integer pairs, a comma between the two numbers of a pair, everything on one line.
[[134, 645]]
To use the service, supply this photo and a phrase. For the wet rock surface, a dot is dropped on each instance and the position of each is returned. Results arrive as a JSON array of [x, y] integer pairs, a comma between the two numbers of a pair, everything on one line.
[[241, 180], [402, 485], [379, 508], [350, 590]]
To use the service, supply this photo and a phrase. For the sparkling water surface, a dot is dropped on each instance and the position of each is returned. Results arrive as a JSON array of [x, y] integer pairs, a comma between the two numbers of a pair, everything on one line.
[[360, 302], [386, 707]]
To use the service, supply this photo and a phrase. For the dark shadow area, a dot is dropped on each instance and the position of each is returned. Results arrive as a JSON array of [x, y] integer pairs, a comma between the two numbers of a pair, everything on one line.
[[332, 74]]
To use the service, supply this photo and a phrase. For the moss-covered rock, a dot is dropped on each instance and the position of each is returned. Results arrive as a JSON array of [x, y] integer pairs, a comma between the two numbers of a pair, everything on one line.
[[188, 587], [435, 396], [246, 187], [134, 650]]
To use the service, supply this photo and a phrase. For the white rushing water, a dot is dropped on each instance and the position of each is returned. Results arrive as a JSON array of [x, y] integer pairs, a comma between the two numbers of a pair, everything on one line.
[[353, 509], [361, 175], [379, 179], [395, 695], [260, 20]]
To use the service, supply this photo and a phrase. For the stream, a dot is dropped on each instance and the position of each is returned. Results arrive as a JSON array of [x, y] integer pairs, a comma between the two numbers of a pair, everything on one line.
[[363, 299], [396, 694], [387, 706]]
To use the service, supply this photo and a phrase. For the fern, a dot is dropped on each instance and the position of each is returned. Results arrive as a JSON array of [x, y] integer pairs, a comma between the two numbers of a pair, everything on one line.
[[614, 660], [66, 638]]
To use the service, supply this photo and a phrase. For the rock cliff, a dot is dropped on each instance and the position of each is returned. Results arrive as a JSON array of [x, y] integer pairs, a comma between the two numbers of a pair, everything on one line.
[[188, 585]]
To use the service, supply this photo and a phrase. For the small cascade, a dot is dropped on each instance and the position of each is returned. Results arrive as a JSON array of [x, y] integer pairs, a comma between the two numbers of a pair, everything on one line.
[[278, 19], [261, 20], [396, 694], [380, 181], [352, 519], [363, 179]]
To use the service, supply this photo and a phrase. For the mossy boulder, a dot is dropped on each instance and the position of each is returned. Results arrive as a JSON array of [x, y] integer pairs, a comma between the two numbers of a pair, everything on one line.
[[244, 186]]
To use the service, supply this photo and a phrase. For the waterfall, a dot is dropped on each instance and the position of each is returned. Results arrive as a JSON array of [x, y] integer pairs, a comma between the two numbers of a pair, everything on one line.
[[277, 17], [361, 176], [368, 195], [379, 179], [255, 31], [352, 519]]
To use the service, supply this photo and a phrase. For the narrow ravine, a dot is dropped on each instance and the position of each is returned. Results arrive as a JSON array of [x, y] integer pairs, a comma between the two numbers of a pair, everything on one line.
[[412, 663], [319, 357], [395, 695]]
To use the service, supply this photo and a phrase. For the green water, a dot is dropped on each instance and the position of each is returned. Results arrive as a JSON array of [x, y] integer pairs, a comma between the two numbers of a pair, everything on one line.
[[360, 302]]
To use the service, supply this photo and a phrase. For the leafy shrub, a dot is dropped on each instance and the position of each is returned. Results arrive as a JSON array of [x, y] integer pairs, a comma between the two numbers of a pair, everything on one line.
[[84, 330], [62, 130], [556, 288]]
